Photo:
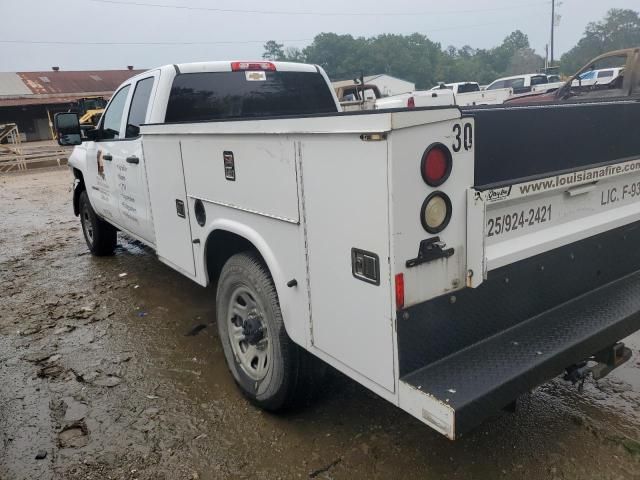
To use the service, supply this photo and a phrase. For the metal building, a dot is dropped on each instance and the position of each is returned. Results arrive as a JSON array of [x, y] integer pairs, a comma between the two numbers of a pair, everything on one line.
[[389, 85], [30, 99]]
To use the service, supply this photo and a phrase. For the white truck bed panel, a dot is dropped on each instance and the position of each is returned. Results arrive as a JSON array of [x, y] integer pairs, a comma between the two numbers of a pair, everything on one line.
[[346, 206], [166, 187], [265, 173]]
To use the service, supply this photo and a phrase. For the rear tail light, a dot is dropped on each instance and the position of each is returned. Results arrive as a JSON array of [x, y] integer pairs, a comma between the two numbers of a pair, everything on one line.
[[411, 102], [399, 291], [436, 165], [435, 212], [242, 66]]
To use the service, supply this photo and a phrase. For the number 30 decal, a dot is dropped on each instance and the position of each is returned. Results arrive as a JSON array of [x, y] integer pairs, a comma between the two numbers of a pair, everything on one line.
[[463, 137]]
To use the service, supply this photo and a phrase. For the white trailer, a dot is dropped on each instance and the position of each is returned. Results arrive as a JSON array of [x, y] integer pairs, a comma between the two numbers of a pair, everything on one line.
[[407, 249]]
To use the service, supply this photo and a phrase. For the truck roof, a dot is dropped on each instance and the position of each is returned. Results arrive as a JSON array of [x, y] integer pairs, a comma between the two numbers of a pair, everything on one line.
[[225, 66], [523, 75], [453, 84]]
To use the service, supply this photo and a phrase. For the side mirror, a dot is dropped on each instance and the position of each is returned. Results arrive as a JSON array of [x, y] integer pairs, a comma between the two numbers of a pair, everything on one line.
[[67, 126]]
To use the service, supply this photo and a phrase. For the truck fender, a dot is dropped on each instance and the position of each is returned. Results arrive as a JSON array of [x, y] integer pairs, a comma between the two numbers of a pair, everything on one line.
[[263, 248], [78, 164], [78, 187]]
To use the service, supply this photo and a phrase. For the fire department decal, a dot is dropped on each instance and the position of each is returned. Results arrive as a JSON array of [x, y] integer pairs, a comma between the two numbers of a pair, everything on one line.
[[100, 164]]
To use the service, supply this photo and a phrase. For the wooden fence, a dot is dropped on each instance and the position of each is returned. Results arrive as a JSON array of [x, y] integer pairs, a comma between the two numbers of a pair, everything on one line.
[[16, 155]]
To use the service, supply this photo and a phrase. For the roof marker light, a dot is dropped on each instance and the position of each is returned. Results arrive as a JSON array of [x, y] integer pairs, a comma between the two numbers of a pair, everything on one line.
[[243, 66]]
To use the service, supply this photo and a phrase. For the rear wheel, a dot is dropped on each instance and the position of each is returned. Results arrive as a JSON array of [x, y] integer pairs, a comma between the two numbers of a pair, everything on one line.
[[271, 371], [100, 236]]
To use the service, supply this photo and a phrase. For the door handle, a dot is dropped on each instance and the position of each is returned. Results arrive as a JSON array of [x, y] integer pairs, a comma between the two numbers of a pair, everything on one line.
[[133, 159], [107, 157]]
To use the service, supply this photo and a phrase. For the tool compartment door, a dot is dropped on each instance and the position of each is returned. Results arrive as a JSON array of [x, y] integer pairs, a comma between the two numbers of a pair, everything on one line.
[[169, 206], [346, 207]]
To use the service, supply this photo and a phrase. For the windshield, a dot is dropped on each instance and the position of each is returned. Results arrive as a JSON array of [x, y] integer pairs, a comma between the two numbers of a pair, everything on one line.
[[587, 75], [602, 78]]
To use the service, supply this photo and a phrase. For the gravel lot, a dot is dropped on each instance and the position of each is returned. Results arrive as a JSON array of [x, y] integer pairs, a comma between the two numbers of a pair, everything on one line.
[[111, 368]]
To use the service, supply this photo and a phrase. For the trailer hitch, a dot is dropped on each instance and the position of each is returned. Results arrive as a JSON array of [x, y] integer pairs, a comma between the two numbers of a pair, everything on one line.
[[606, 361], [610, 359]]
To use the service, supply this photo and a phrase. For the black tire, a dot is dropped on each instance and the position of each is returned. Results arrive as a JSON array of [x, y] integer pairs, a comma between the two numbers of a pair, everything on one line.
[[101, 237], [291, 375]]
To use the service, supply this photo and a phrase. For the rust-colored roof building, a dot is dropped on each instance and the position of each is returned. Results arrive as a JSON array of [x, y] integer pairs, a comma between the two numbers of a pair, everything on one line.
[[30, 99]]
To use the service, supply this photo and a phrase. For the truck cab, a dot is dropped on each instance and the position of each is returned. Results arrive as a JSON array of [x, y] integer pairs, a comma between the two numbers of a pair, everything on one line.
[[459, 87], [111, 160]]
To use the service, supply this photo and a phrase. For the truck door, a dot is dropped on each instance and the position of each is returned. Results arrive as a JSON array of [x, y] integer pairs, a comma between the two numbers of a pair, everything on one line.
[[101, 171], [129, 163]]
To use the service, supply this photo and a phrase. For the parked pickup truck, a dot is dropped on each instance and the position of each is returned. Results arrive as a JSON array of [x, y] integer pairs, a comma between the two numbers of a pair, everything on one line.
[[523, 84], [416, 99], [591, 83], [354, 96], [461, 94], [447, 260], [468, 94]]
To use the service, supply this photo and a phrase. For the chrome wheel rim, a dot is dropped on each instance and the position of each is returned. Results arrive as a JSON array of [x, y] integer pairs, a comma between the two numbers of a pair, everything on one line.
[[87, 226], [249, 334]]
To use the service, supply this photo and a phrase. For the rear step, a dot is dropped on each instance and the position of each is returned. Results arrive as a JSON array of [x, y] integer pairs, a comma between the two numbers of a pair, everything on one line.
[[456, 393]]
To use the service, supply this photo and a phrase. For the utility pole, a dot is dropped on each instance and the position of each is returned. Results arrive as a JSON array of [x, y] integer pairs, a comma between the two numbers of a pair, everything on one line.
[[553, 25], [546, 58]]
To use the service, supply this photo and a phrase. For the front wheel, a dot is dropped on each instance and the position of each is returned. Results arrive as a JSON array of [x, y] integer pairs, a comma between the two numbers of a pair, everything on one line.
[[271, 371], [100, 236]]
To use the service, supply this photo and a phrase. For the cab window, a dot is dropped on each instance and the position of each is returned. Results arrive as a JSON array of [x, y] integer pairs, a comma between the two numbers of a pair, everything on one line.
[[204, 96], [515, 83], [112, 118], [496, 85], [468, 88], [139, 107], [539, 80]]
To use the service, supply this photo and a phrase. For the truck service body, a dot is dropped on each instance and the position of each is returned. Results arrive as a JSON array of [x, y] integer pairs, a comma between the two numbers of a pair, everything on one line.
[[446, 259]]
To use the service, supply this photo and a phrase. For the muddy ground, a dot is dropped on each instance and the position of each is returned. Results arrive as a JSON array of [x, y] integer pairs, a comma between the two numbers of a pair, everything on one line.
[[106, 369]]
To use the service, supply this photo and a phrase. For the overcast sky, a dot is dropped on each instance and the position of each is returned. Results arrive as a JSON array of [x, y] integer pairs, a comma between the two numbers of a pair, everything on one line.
[[175, 35]]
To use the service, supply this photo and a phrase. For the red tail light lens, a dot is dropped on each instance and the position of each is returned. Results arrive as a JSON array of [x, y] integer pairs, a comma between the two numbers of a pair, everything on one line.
[[399, 291], [436, 165], [242, 66], [411, 102]]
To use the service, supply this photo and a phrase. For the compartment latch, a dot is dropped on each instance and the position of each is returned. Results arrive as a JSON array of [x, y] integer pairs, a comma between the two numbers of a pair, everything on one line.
[[430, 249]]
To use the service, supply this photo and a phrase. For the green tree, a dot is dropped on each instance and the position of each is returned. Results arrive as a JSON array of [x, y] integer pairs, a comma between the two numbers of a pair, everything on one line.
[[294, 54], [525, 60], [273, 50], [619, 29], [418, 59]]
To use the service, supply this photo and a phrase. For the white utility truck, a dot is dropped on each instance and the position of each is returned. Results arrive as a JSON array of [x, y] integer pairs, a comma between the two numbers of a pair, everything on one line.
[[469, 94], [448, 260], [523, 84]]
